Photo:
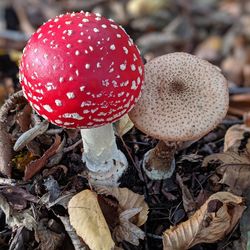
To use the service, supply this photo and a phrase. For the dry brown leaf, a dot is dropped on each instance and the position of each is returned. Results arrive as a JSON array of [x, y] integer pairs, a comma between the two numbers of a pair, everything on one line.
[[235, 167], [23, 118], [37, 165], [216, 218], [87, 219], [126, 230], [132, 212], [127, 200], [236, 147], [187, 198], [234, 136], [236, 177], [210, 49], [138, 8], [123, 125], [21, 160], [226, 158], [16, 218]]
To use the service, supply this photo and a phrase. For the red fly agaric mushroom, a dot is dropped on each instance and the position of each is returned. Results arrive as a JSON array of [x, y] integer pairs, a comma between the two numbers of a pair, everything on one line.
[[81, 70], [185, 97]]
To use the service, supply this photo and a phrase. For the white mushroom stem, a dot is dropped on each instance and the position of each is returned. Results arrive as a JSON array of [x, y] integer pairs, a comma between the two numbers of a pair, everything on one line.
[[104, 161]]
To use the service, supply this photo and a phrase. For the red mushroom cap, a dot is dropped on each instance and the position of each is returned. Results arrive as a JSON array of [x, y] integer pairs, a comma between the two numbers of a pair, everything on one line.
[[81, 70]]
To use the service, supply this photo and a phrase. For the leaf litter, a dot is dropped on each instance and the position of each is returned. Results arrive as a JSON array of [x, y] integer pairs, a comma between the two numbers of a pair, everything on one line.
[[214, 30]]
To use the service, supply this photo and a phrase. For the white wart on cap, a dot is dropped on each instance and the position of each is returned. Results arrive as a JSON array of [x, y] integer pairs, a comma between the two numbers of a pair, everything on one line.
[[184, 97]]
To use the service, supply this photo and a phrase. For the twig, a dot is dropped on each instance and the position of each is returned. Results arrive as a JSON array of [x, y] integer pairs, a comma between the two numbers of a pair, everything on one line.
[[31, 134], [154, 236], [66, 150], [25, 24], [10, 182], [76, 241], [16, 36], [239, 90], [11, 103], [5, 141], [54, 131]]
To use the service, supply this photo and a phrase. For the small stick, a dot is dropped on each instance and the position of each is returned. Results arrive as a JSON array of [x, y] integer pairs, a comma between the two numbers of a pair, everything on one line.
[[31, 134], [10, 182], [11, 104], [73, 146], [76, 241], [5, 140]]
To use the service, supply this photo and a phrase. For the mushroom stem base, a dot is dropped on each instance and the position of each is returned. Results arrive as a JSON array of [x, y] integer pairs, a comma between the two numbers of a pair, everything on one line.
[[111, 177], [159, 162], [104, 161]]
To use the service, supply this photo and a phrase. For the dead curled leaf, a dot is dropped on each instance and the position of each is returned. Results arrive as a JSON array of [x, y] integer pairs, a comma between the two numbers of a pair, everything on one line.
[[187, 198], [126, 230], [127, 199], [235, 161], [123, 125], [236, 147], [215, 219], [124, 215], [5, 140], [87, 219], [234, 136], [15, 218], [35, 166], [132, 210]]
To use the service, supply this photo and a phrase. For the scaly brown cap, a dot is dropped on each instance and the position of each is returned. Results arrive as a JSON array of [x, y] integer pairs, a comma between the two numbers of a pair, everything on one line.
[[184, 97]]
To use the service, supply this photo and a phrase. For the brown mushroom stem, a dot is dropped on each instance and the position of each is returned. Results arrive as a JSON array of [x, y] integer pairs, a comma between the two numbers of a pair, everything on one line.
[[159, 162]]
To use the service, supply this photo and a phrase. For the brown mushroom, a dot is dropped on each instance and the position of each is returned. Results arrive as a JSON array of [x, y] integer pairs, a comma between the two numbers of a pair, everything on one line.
[[184, 98]]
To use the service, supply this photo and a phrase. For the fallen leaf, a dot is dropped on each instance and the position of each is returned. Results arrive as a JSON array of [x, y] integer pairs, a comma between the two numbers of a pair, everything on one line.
[[21, 160], [87, 219], [226, 158], [210, 49], [126, 230], [127, 199], [236, 147], [23, 118], [18, 242], [236, 177], [234, 136], [53, 188], [187, 198], [35, 166], [123, 125], [18, 197], [235, 161], [215, 219], [132, 212], [138, 8], [15, 218]]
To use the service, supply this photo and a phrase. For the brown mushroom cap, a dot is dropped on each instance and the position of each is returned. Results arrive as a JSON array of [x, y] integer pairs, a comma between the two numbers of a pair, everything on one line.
[[184, 97]]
